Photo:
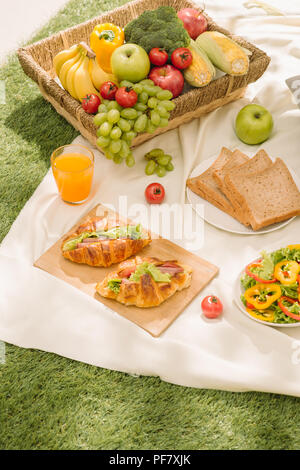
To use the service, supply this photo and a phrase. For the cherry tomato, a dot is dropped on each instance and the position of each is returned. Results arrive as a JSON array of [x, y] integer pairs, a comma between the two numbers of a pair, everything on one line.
[[158, 56], [91, 103], [181, 58], [126, 97], [211, 306], [155, 193], [108, 90]]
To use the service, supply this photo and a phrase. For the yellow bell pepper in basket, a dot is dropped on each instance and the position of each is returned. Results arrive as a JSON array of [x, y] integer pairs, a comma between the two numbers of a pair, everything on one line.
[[104, 39]]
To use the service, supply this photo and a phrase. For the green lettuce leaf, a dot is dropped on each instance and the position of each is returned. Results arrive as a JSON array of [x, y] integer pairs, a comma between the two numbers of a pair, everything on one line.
[[114, 285], [290, 291], [267, 266], [295, 308], [280, 317], [149, 268], [72, 244], [127, 231], [247, 281], [285, 253]]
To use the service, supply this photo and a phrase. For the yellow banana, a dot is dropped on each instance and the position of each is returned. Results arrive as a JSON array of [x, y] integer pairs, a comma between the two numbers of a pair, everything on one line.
[[82, 81], [66, 67], [63, 56], [71, 77], [98, 75]]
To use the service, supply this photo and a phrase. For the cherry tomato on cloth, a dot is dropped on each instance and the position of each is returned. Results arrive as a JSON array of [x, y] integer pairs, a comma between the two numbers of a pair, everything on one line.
[[182, 58], [211, 306], [126, 97], [91, 103], [155, 193], [158, 56], [108, 90]]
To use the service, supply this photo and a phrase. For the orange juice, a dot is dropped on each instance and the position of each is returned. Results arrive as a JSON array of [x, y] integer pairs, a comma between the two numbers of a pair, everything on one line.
[[73, 173]]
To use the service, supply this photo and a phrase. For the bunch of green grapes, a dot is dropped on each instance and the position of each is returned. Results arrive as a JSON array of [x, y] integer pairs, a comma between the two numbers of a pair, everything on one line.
[[159, 162], [118, 126]]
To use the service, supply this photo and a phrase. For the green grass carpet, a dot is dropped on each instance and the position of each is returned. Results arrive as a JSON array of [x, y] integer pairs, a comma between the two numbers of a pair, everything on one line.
[[49, 402]]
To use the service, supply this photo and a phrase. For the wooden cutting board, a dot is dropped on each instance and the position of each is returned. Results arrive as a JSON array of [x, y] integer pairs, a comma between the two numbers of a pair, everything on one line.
[[154, 320]]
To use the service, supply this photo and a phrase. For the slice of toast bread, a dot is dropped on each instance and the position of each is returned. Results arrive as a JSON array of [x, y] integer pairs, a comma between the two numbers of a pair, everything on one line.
[[192, 184], [260, 162], [237, 159], [206, 187], [269, 196]]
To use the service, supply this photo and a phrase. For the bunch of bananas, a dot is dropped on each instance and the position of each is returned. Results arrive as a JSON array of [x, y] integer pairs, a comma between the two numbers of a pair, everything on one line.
[[79, 71]]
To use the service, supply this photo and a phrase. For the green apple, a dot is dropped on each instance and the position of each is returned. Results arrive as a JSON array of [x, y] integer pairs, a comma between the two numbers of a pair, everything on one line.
[[130, 62], [253, 124]]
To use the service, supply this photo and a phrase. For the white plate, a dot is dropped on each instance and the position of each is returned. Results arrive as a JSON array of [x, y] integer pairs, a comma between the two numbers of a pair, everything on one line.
[[239, 290], [220, 219]]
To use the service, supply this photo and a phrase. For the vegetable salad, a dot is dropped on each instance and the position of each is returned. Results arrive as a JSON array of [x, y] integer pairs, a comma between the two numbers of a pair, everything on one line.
[[272, 286]]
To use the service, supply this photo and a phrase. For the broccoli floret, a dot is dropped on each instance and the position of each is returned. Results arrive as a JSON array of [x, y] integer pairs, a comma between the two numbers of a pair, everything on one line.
[[165, 13], [157, 28]]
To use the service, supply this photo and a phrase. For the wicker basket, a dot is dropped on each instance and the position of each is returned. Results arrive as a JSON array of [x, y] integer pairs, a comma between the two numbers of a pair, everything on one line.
[[37, 59]]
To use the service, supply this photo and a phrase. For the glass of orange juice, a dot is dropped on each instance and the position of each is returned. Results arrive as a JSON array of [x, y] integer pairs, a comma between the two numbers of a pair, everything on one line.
[[73, 170]]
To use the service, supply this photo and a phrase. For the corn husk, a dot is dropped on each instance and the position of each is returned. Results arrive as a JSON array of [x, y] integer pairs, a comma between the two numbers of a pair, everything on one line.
[[201, 71], [224, 53]]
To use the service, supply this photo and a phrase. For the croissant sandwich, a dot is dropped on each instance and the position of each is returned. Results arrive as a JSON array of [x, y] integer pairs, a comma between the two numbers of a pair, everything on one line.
[[102, 241], [145, 282]]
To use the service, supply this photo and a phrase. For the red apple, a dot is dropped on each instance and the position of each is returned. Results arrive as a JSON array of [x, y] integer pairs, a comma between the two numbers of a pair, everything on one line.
[[194, 22], [168, 78]]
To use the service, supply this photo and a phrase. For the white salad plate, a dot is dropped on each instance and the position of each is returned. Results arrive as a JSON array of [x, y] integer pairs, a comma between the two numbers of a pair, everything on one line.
[[220, 219], [239, 290]]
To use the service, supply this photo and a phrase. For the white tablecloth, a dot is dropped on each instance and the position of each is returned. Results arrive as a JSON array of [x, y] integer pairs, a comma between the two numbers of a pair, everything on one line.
[[232, 353]]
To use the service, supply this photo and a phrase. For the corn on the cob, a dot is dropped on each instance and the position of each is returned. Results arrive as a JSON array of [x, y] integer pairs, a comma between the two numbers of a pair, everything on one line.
[[224, 53], [201, 71]]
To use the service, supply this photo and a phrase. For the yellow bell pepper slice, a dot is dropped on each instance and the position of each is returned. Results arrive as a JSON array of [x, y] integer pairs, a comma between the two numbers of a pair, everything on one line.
[[104, 39], [294, 247], [261, 296], [266, 315], [286, 272]]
